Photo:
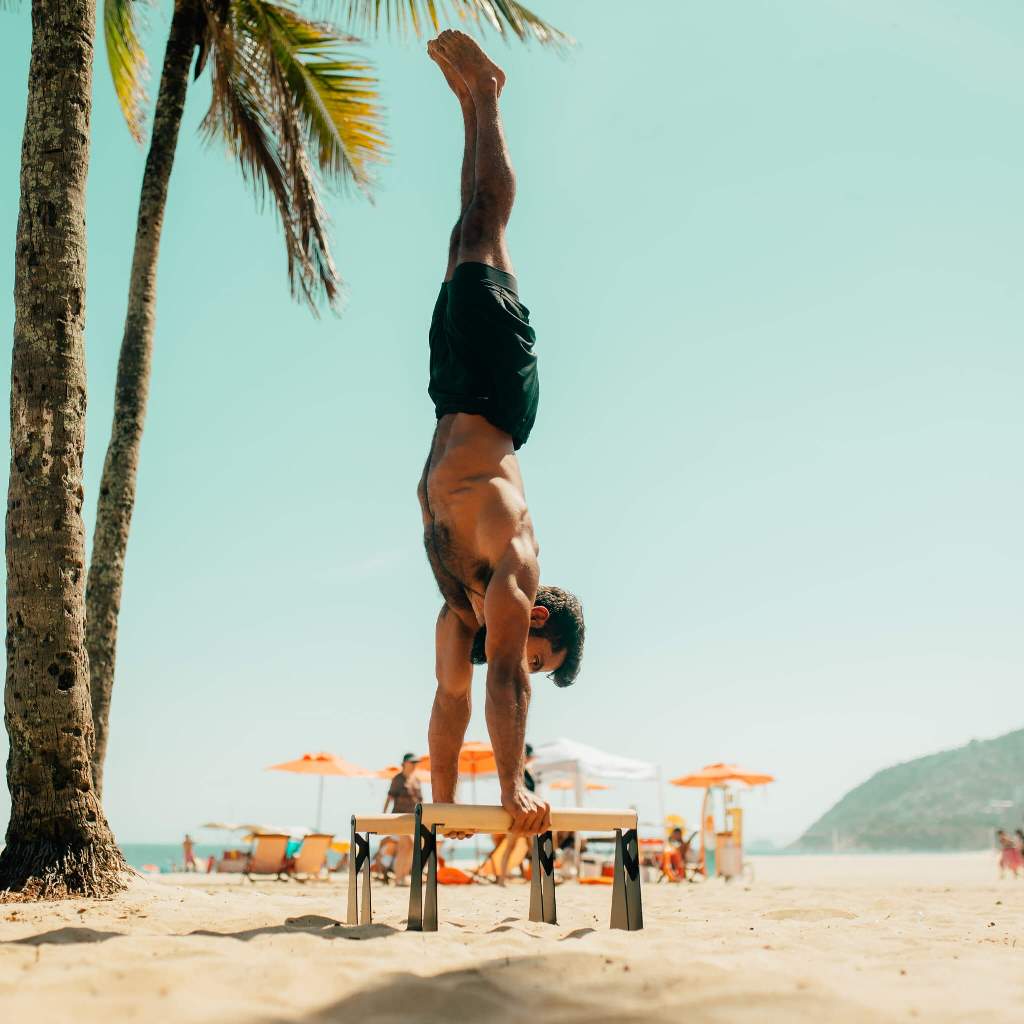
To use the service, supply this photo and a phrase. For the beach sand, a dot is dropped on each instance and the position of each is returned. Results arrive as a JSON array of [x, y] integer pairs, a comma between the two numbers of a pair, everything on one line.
[[810, 939]]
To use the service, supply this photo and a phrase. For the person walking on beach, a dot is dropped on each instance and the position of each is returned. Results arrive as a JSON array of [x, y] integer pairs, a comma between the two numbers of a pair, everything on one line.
[[477, 529], [1010, 857], [404, 794], [188, 849]]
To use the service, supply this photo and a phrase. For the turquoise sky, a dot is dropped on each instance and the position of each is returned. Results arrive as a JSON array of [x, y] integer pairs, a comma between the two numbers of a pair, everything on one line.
[[773, 253]]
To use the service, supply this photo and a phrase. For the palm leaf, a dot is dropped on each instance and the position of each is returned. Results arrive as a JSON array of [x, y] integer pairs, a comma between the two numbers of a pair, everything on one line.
[[281, 87], [127, 61], [502, 16], [333, 93]]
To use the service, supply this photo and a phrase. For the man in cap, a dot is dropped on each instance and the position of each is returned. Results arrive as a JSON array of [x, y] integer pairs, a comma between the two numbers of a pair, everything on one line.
[[404, 794]]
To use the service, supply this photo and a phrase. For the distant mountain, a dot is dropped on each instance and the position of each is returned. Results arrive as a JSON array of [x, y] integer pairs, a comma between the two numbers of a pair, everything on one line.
[[953, 800]]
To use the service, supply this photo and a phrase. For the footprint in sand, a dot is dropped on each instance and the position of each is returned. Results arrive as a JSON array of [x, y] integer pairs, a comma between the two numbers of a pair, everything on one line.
[[809, 914]]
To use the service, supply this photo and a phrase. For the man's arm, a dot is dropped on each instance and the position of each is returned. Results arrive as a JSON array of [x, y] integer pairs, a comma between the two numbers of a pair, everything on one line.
[[507, 607], [453, 642]]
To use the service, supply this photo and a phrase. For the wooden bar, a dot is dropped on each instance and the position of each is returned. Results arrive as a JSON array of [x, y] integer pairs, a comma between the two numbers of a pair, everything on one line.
[[386, 824], [489, 818]]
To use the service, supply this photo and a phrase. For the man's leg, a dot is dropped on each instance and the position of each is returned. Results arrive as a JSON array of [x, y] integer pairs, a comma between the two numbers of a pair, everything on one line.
[[465, 98], [403, 860], [482, 235]]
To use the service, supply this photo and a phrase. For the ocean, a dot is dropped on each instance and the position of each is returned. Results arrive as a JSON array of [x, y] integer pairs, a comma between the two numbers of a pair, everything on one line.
[[168, 857]]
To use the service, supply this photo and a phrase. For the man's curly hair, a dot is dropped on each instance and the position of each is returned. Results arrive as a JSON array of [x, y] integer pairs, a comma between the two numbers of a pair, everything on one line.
[[564, 629]]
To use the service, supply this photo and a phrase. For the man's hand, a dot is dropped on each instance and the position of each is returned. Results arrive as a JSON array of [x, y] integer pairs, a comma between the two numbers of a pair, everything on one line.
[[530, 816]]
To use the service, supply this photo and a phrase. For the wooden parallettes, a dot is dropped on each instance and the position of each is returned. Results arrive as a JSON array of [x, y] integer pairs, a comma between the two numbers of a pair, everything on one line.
[[423, 825]]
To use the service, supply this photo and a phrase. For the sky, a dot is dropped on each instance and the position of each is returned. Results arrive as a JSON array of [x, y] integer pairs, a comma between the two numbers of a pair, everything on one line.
[[772, 251]]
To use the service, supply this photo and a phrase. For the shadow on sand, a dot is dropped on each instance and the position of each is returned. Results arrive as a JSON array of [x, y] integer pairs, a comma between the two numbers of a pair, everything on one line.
[[585, 988], [69, 936], [308, 924]]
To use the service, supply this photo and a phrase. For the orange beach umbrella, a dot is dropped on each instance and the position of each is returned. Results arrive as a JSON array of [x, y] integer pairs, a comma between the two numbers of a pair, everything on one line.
[[721, 774], [393, 769], [718, 775], [474, 759], [321, 763]]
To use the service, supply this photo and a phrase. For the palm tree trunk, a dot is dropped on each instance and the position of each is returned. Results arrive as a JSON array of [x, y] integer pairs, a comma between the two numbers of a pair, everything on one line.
[[58, 841], [120, 468]]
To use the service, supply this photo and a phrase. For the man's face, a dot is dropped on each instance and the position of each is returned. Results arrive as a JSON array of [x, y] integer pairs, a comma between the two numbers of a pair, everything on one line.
[[540, 657], [408, 767]]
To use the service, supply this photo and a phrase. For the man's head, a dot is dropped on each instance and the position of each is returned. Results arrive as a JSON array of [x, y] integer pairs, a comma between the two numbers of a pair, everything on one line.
[[555, 643], [409, 763]]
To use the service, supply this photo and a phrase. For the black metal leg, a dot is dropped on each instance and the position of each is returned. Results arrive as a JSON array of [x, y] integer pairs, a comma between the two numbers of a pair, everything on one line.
[[352, 917], [536, 890], [415, 922], [359, 862], [631, 863], [620, 918], [430, 897], [366, 915], [547, 878]]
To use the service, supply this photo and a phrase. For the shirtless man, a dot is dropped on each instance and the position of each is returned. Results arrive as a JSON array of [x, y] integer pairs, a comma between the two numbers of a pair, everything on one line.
[[477, 529]]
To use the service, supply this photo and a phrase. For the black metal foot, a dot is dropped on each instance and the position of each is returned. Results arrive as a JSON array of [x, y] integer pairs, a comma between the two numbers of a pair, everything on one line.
[[627, 908], [358, 861], [423, 907]]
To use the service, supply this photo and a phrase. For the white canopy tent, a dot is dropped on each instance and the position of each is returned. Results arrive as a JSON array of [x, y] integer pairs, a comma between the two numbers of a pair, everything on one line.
[[581, 762]]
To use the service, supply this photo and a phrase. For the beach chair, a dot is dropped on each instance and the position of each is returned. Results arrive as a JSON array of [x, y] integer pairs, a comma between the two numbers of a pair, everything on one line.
[[311, 858], [689, 866], [383, 863], [267, 857], [489, 870]]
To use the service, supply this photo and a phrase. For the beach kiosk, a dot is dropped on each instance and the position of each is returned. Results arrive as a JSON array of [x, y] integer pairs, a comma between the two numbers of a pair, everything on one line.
[[721, 849]]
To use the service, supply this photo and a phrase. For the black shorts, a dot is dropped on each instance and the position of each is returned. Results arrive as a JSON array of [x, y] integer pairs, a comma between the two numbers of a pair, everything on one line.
[[482, 357]]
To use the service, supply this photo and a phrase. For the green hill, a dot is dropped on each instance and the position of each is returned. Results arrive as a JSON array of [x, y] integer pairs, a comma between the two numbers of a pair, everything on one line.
[[952, 800]]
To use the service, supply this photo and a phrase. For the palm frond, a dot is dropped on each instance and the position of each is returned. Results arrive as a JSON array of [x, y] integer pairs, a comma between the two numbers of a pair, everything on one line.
[[127, 61], [333, 92], [281, 89], [506, 17]]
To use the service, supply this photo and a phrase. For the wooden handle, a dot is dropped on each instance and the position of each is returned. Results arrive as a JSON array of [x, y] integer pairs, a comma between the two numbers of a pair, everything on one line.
[[387, 824], [489, 818]]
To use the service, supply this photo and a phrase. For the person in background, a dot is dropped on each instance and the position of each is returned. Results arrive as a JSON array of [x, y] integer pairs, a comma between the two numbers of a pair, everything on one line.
[[673, 859], [528, 780], [188, 848], [404, 794], [565, 844], [1010, 858]]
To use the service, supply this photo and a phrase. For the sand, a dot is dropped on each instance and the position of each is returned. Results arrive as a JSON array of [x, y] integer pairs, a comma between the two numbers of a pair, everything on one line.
[[810, 939]]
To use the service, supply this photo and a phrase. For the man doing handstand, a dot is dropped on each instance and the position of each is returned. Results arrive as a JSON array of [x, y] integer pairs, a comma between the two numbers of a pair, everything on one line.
[[477, 528]]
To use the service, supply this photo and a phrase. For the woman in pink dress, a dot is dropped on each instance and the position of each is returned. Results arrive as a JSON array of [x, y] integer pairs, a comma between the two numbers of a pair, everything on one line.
[[1010, 857]]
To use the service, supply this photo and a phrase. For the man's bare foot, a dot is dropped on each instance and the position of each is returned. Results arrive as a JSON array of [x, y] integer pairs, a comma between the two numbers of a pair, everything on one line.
[[477, 70], [455, 81]]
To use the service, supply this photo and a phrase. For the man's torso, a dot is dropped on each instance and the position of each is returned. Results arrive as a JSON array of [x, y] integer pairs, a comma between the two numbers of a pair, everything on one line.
[[474, 506]]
